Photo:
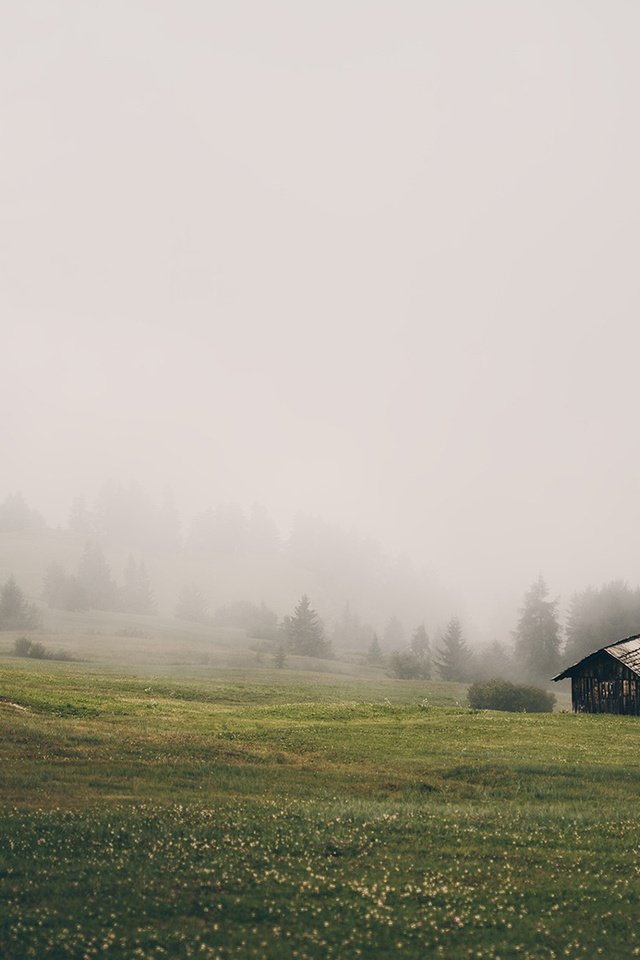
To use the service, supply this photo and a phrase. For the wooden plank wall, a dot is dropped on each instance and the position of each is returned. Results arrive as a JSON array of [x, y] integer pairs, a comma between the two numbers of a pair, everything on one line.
[[593, 695]]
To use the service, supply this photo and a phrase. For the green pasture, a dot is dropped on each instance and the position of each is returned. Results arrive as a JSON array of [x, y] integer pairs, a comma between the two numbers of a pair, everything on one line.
[[225, 813]]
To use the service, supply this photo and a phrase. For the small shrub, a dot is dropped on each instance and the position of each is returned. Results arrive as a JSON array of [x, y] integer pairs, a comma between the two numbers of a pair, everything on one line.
[[500, 694], [22, 646], [37, 650], [59, 655], [406, 665], [279, 657]]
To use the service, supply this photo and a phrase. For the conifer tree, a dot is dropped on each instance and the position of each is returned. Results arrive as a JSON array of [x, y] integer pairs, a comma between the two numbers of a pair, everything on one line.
[[601, 616], [95, 580], [374, 653], [305, 632], [62, 590], [537, 636], [16, 613], [137, 595], [421, 650], [453, 655]]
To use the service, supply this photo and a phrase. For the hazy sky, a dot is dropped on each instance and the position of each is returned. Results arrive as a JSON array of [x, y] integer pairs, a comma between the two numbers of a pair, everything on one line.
[[378, 261]]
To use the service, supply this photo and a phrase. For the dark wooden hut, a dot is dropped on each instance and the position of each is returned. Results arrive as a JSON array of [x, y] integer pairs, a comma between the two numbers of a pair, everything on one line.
[[607, 681]]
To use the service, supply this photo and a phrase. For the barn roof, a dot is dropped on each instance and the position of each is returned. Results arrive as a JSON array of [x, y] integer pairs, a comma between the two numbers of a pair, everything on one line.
[[627, 651]]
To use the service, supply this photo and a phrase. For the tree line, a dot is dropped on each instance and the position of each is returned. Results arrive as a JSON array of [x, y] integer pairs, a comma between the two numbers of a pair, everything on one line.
[[540, 646], [93, 587], [230, 541], [343, 563], [596, 617]]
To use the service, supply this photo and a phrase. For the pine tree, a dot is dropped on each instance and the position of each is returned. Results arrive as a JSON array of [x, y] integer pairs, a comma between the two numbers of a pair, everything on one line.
[[95, 580], [421, 650], [137, 595], [16, 613], [305, 632], [602, 616], [495, 660], [537, 636], [279, 656], [191, 605], [453, 654], [374, 653], [63, 591]]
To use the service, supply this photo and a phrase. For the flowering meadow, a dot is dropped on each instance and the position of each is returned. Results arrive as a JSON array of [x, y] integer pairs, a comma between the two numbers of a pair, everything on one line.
[[150, 817]]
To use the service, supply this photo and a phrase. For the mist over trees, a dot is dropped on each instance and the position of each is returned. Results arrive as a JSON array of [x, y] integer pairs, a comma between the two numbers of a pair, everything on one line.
[[258, 621], [192, 605], [93, 586], [453, 656], [414, 661], [537, 635], [601, 616], [233, 555], [495, 659], [127, 517], [16, 611], [231, 568], [17, 517], [374, 652], [136, 594], [393, 634], [304, 631], [349, 632]]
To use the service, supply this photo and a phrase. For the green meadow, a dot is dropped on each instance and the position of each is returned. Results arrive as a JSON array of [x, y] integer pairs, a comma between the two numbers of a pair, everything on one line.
[[183, 810]]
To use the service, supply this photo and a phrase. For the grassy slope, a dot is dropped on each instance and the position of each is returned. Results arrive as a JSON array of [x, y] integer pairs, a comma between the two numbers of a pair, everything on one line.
[[224, 814]]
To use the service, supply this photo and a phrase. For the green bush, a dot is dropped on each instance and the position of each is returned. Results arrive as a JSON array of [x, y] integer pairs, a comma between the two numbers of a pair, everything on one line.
[[38, 650], [407, 665], [22, 646], [499, 694]]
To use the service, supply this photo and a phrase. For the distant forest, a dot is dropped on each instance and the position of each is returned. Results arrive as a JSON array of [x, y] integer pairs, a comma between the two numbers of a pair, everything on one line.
[[221, 557], [234, 569]]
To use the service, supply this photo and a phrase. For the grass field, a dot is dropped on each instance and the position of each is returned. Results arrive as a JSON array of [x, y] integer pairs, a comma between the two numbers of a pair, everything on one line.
[[208, 813]]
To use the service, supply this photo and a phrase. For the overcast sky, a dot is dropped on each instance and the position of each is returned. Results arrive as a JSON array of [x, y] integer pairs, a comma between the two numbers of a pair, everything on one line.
[[377, 261]]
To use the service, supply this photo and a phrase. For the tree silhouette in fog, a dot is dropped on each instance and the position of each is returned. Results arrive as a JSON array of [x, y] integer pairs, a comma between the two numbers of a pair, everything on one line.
[[304, 631], [537, 636], [601, 616], [453, 655], [16, 612], [192, 605]]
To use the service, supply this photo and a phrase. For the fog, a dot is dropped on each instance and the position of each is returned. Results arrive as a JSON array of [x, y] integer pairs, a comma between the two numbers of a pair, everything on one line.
[[371, 262]]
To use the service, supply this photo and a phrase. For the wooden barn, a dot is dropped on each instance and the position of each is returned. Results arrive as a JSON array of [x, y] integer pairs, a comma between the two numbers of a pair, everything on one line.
[[607, 681]]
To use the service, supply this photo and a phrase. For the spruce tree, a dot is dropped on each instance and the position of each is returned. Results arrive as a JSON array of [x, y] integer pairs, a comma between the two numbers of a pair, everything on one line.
[[602, 616], [421, 650], [95, 580], [453, 655], [537, 636], [137, 595], [374, 653], [62, 590], [16, 613], [305, 632]]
